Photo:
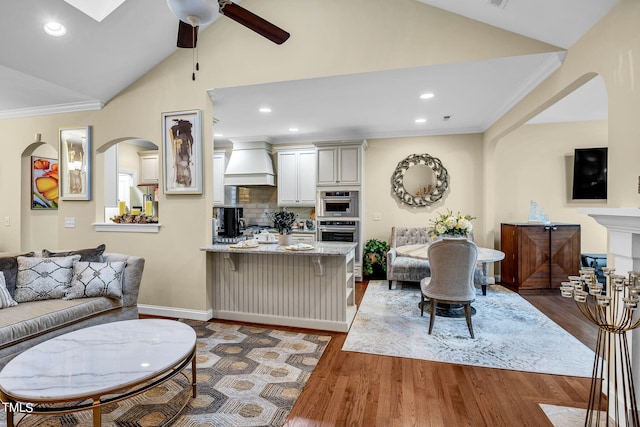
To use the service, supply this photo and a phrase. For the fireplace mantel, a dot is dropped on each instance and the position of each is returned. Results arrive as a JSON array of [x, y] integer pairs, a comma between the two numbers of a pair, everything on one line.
[[616, 219]]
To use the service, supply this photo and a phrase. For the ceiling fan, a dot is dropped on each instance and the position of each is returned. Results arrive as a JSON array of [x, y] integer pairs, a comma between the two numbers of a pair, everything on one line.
[[193, 13]]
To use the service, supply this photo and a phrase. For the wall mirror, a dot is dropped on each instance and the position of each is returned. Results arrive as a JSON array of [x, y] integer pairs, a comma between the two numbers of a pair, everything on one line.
[[420, 180]]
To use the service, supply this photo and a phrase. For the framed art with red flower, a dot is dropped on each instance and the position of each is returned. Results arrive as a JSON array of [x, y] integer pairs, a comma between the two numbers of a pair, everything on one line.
[[44, 183]]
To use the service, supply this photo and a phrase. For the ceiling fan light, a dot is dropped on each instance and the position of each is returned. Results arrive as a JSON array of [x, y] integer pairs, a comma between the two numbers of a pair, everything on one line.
[[195, 12]]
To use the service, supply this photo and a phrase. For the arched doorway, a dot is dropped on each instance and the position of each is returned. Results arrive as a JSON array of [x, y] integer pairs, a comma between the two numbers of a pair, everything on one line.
[[38, 196]]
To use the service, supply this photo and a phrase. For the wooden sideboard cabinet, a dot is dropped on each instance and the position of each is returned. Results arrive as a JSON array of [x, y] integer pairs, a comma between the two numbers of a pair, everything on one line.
[[538, 257]]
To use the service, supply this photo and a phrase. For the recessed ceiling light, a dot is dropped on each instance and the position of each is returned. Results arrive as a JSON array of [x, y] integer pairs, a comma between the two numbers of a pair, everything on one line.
[[219, 135], [293, 129], [55, 29], [265, 110], [427, 95], [421, 120]]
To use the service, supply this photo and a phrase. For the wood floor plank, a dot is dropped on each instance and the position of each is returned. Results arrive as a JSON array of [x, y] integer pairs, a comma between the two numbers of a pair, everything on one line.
[[407, 392], [357, 389]]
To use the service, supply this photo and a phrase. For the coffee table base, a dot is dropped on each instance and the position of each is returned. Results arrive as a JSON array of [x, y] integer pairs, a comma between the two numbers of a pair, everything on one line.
[[96, 404]]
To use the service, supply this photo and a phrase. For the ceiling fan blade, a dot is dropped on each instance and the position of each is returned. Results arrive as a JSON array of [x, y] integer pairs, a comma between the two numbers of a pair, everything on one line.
[[253, 22], [187, 35]]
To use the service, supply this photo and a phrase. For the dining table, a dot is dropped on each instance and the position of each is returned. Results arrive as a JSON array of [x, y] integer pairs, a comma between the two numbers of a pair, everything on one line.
[[485, 257]]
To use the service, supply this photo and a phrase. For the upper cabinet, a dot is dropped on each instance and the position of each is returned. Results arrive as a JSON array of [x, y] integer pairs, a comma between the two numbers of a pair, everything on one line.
[[219, 166], [297, 177], [149, 167], [340, 164]]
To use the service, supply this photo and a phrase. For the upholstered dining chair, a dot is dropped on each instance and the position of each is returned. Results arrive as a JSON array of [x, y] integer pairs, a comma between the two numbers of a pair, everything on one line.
[[452, 262]]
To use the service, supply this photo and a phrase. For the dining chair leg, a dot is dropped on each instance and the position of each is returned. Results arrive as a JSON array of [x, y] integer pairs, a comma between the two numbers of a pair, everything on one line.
[[432, 314], [467, 314], [421, 304]]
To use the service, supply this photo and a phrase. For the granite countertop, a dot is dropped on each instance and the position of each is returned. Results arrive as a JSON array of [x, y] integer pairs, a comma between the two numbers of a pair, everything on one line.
[[319, 248]]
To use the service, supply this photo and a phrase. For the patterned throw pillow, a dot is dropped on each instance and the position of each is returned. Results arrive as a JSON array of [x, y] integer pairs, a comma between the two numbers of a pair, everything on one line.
[[96, 279], [43, 278], [9, 266], [90, 254], [5, 296]]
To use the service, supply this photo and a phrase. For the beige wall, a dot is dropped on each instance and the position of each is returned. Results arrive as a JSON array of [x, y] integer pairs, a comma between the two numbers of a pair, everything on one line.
[[610, 49], [535, 162], [365, 35], [461, 155]]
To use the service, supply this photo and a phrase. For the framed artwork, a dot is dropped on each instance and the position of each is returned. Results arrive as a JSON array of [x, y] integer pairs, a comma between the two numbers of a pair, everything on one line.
[[75, 163], [44, 183], [182, 145]]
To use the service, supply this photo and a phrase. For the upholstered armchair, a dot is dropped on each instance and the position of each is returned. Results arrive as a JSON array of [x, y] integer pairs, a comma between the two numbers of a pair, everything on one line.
[[452, 262], [404, 268], [409, 269]]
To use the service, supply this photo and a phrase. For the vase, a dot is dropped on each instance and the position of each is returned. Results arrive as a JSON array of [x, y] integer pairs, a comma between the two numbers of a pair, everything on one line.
[[451, 236], [284, 239]]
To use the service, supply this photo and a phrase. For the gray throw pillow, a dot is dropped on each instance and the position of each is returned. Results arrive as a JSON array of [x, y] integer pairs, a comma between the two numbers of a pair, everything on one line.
[[43, 278], [96, 279], [9, 266], [5, 296], [90, 254]]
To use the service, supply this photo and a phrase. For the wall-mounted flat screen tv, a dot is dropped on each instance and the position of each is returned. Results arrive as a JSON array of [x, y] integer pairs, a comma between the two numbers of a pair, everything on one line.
[[590, 173]]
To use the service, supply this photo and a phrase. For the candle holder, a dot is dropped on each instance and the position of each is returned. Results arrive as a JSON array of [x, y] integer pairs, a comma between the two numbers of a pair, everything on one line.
[[611, 307]]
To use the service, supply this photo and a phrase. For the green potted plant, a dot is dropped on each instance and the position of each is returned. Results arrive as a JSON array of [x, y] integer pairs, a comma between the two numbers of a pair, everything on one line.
[[375, 258], [283, 221]]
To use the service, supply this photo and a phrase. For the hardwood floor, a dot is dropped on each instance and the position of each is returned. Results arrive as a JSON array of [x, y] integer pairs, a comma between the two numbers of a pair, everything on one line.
[[357, 389], [354, 389]]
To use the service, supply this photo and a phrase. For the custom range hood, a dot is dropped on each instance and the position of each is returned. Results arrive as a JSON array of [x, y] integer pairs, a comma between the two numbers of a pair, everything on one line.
[[250, 164]]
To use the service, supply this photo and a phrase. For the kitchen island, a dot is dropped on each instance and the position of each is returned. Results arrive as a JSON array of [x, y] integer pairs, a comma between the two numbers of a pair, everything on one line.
[[312, 288]]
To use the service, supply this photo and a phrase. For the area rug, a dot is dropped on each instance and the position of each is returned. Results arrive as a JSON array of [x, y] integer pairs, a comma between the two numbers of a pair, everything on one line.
[[247, 376], [510, 333]]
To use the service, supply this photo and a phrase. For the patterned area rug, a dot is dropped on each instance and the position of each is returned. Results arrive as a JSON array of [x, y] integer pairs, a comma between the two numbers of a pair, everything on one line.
[[247, 376], [510, 333]]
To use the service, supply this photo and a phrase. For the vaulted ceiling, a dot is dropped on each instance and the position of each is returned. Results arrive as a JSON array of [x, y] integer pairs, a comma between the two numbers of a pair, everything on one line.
[[95, 60]]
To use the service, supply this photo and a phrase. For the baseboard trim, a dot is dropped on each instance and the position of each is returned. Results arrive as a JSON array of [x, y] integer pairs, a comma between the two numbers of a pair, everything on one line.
[[178, 313], [325, 325]]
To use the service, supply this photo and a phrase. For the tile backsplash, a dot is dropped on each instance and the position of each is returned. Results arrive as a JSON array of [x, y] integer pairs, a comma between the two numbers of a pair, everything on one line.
[[257, 201]]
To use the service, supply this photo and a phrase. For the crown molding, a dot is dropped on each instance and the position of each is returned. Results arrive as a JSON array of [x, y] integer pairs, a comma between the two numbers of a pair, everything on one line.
[[548, 67], [52, 109]]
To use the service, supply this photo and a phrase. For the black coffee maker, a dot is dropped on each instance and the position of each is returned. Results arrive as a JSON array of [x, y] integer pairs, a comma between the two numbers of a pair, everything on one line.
[[230, 220]]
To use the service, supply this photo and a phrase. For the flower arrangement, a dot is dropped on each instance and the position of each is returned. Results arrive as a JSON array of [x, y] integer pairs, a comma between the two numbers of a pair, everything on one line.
[[452, 225], [283, 220]]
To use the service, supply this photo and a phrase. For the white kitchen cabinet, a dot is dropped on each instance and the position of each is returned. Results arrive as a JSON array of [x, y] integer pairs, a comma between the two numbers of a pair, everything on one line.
[[219, 166], [149, 167], [340, 164], [302, 238], [297, 177]]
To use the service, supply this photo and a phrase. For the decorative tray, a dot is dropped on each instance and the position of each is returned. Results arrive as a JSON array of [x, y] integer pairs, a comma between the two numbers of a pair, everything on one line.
[[243, 245], [299, 247]]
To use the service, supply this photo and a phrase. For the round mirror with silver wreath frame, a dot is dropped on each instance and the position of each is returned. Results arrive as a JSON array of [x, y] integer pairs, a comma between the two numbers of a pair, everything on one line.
[[420, 180]]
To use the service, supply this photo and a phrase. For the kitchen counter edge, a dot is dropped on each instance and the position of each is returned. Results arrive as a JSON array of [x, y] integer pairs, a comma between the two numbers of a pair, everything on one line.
[[319, 249]]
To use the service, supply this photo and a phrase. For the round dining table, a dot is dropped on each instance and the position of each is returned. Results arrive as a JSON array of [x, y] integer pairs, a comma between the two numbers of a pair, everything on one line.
[[485, 256]]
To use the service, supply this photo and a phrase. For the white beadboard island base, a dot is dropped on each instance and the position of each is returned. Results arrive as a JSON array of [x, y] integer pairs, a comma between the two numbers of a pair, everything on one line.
[[272, 285]]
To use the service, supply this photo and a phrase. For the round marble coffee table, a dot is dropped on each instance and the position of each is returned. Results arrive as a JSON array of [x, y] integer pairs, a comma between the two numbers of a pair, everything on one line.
[[92, 367]]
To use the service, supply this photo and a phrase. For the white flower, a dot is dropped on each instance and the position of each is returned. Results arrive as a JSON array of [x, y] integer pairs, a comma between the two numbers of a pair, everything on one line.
[[450, 224], [464, 224]]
